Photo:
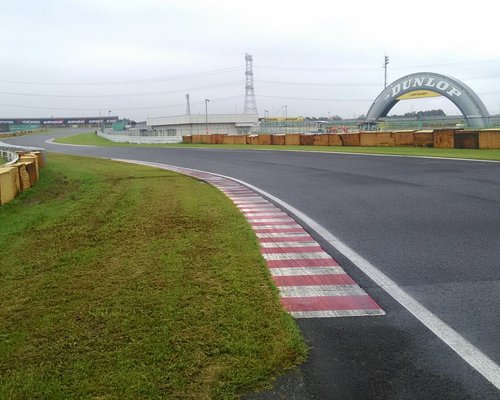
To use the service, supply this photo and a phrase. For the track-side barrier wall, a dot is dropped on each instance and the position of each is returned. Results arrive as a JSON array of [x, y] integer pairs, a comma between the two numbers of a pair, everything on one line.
[[438, 138], [20, 173], [9, 134]]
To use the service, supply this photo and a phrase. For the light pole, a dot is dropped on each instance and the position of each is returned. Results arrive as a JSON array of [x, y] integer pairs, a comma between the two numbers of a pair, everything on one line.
[[286, 118], [109, 117], [386, 61], [206, 115]]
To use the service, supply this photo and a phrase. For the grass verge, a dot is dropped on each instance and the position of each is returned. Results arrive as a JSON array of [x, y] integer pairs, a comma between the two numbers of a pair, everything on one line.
[[478, 154], [126, 282]]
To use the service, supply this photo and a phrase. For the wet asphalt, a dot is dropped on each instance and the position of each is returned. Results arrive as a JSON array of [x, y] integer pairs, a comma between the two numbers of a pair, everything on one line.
[[433, 226]]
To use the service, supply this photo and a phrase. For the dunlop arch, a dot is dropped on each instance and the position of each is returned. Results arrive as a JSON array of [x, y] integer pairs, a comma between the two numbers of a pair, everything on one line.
[[428, 84]]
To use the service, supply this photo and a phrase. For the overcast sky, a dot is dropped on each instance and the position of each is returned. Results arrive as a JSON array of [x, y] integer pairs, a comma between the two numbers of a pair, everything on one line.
[[139, 58]]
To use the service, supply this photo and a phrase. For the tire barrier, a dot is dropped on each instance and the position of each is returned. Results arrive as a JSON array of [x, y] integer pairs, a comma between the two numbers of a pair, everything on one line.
[[8, 134], [15, 177], [438, 138]]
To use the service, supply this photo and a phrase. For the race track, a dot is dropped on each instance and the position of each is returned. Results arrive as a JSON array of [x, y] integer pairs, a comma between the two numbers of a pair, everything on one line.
[[432, 226]]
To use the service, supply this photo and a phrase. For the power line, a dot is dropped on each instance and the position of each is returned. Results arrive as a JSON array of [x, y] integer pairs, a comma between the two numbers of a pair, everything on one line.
[[279, 68], [152, 80], [219, 85], [317, 84], [221, 99], [358, 68], [314, 98]]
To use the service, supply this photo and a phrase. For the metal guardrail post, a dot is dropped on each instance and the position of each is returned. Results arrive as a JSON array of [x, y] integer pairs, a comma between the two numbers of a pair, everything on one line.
[[9, 155]]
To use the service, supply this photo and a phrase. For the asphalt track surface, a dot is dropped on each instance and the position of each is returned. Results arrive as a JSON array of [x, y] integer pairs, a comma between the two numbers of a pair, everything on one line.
[[432, 226]]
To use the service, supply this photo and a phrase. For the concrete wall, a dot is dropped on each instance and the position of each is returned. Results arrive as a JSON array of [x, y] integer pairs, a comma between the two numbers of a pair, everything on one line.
[[122, 138]]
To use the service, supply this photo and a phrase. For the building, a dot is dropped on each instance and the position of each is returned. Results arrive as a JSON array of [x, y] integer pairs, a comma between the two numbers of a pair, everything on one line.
[[199, 124]]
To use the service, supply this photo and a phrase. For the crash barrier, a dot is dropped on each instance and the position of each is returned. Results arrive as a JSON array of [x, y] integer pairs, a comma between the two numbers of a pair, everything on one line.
[[19, 174], [7, 156], [9, 134], [437, 138]]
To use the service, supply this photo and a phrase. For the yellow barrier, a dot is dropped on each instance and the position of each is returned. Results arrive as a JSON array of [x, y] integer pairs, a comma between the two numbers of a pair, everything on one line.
[[292, 139], [334, 140], [279, 139], [424, 138], [466, 140], [489, 139], [321, 140], [306, 140], [228, 139], [444, 138], [368, 139], [439, 138], [21, 175], [252, 139], [9, 182], [350, 139], [41, 159], [218, 138], [385, 139], [377, 139], [206, 139], [265, 139], [196, 139], [24, 178], [31, 162], [403, 138], [240, 139]]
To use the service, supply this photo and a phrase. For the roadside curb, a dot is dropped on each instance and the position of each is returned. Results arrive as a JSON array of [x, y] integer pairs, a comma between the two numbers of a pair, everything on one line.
[[311, 283]]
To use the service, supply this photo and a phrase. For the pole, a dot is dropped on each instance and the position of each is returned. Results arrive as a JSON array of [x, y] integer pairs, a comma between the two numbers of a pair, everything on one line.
[[386, 61], [206, 115], [286, 118]]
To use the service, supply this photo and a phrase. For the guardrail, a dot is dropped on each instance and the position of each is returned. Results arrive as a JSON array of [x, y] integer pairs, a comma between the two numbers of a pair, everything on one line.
[[124, 138], [9, 155]]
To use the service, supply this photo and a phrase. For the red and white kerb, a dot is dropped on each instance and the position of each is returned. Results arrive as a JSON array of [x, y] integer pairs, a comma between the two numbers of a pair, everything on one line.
[[311, 283]]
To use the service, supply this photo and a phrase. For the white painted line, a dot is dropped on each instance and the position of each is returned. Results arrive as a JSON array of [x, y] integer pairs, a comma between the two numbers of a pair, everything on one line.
[[258, 209], [290, 235], [265, 214], [51, 141], [273, 245], [336, 313], [249, 199], [466, 350], [321, 291], [381, 155], [250, 203], [280, 226], [300, 271], [275, 220], [295, 256]]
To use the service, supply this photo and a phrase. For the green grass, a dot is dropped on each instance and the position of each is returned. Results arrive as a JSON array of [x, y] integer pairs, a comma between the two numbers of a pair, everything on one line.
[[479, 154], [126, 282], [89, 139]]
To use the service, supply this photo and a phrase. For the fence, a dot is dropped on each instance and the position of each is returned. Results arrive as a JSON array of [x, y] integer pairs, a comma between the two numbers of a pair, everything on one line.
[[121, 137], [7, 155]]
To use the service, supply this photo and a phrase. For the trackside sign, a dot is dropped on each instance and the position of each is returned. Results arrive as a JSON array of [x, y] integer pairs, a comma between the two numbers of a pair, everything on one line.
[[424, 84], [430, 84]]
